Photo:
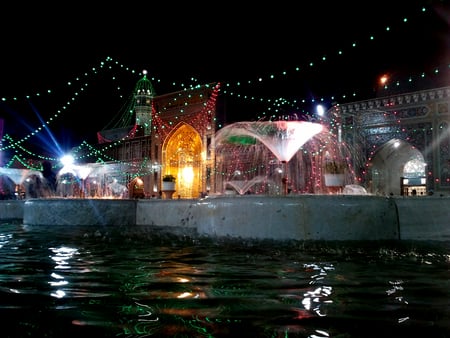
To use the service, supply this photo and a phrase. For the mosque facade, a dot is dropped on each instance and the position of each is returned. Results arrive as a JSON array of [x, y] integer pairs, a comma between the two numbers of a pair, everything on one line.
[[402, 143], [171, 136]]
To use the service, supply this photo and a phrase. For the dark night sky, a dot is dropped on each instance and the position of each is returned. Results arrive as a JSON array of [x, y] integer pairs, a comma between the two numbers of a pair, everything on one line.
[[44, 48]]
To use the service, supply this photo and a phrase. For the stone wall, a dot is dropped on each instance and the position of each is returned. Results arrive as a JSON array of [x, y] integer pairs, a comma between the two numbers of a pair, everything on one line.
[[300, 217]]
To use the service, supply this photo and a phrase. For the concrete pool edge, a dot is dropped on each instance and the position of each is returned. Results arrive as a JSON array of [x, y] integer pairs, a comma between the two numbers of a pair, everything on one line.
[[296, 217]]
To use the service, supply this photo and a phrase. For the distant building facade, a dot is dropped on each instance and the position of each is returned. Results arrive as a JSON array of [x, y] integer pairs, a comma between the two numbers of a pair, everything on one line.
[[170, 135], [401, 145], [394, 135]]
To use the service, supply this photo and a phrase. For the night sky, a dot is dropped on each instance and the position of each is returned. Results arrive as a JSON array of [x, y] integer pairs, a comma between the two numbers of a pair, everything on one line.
[[254, 51]]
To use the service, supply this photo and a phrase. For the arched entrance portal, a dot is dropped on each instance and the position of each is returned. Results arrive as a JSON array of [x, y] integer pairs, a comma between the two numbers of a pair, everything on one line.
[[182, 157], [394, 160]]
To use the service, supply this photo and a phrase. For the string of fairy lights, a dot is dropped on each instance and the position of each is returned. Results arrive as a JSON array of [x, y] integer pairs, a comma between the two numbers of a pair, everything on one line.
[[81, 84]]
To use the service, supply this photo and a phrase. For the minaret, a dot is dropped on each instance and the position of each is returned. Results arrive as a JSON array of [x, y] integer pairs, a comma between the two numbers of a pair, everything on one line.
[[144, 94]]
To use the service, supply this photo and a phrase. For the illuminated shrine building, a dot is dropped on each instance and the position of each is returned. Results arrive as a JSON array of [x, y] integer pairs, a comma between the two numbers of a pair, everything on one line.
[[170, 134], [400, 144]]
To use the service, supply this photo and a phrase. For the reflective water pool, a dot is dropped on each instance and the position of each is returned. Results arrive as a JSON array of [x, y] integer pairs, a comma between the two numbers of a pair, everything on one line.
[[132, 282]]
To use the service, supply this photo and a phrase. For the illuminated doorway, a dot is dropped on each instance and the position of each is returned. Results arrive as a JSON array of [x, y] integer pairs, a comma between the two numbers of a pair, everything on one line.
[[395, 160], [182, 157]]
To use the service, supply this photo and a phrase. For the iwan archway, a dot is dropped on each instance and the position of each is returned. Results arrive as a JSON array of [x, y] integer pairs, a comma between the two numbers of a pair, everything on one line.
[[420, 119], [394, 160], [182, 157]]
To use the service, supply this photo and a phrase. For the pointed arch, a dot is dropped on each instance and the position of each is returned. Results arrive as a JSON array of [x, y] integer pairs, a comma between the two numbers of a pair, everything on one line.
[[388, 165], [182, 156]]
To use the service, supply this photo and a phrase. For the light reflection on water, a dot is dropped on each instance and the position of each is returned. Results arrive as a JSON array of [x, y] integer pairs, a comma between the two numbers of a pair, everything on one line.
[[131, 282]]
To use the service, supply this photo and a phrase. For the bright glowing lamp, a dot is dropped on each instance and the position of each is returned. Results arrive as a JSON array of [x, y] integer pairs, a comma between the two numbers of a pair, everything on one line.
[[320, 110], [188, 175], [67, 160]]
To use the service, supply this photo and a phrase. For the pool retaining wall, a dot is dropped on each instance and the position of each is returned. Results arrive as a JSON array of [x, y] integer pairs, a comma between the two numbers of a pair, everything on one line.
[[297, 217]]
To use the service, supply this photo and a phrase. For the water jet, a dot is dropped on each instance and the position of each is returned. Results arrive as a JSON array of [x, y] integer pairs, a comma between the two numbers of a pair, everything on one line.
[[293, 156]]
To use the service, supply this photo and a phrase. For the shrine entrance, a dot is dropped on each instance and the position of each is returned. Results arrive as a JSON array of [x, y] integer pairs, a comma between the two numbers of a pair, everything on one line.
[[182, 158], [395, 163]]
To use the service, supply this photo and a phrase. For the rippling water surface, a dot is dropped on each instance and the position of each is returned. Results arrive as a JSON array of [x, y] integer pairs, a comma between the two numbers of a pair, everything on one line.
[[131, 282]]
